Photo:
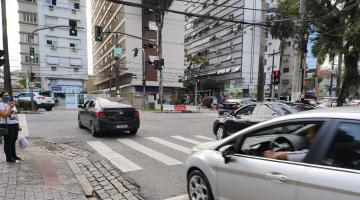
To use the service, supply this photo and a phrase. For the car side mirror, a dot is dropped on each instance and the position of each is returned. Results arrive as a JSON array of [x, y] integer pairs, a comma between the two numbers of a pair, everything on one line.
[[227, 152], [80, 106]]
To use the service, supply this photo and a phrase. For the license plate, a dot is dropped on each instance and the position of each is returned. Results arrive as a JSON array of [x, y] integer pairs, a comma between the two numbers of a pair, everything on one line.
[[121, 126]]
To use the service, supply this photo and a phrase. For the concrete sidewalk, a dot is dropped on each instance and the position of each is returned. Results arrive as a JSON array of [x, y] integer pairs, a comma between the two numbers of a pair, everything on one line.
[[41, 175], [61, 172]]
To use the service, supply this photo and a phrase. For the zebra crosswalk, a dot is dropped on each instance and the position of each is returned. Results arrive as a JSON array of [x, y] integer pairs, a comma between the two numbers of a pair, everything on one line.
[[142, 155], [172, 142]]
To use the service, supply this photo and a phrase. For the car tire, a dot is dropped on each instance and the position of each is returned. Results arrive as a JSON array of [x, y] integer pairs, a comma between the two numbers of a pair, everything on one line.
[[36, 107], [48, 109], [198, 186], [80, 125], [133, 132], [221, 132], [93, 131]]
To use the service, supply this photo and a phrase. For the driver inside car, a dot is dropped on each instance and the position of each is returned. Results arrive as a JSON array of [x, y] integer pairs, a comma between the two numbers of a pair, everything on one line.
[[295, 156]]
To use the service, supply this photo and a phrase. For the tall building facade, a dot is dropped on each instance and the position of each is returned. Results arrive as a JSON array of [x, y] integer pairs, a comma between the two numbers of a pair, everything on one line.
[[138, 22], [232, 49], [60, 63]]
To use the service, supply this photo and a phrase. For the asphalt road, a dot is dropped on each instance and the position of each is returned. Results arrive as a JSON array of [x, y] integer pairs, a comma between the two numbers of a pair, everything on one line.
[[154, 158]]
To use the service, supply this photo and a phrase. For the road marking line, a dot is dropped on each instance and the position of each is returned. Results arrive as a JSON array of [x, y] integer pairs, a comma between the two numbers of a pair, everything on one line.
[[23, 125], [170, 144], [186, 139], [118, 160], [151, 153], [182, 197], [204, 137]]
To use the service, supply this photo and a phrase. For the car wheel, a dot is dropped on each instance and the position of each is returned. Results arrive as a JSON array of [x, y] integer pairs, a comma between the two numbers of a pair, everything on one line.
[[48, 109], [93, 131], [198, 186], [80, 125], [36, 107], [221, 132], [133, 132]]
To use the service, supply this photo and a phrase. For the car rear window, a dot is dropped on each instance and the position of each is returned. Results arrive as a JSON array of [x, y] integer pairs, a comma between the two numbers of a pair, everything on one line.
[[113, 100]]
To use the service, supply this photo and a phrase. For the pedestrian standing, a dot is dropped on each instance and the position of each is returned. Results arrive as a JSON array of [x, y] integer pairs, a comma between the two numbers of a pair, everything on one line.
[[9, 120]]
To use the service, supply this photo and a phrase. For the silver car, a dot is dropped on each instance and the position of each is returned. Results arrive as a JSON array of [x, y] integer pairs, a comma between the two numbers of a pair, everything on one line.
[[324, 166]]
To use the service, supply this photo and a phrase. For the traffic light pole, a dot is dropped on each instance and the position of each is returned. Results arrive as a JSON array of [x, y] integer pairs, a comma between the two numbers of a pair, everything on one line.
[[272, 88], [117, 68], [31, 60], [7, 75]]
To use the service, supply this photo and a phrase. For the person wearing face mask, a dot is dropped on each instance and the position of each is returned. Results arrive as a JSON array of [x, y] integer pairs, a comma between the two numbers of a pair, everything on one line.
[[10, 122]]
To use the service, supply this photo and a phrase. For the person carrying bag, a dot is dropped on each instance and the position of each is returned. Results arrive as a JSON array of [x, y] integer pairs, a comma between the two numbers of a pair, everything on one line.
[[9, 121]]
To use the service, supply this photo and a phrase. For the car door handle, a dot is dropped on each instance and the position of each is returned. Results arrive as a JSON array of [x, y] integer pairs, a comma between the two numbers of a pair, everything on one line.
[[277, 177]]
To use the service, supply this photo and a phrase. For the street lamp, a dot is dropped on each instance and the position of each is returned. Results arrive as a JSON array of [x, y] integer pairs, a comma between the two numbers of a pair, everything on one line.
[[136, 51]]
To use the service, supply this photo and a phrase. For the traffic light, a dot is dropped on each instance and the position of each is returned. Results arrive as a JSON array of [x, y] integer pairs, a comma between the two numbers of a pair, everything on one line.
[[32, 53], [161, 64], [98, 33], [73, 31], [276, 77], [2, 61], [32, 77]]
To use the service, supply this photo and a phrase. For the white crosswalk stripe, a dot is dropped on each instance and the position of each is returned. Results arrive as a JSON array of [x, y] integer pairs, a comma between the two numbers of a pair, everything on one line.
[[204, 137], [186, 139], [118, 160], [151, 153], [182, 197], [170, 144]]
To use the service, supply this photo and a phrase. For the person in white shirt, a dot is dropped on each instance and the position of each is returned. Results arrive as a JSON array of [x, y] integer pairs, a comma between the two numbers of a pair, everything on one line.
[[9, 121]]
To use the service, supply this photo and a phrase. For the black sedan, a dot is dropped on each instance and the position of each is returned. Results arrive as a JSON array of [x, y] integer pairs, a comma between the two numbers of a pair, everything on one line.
[[249, 115], [108, 114]]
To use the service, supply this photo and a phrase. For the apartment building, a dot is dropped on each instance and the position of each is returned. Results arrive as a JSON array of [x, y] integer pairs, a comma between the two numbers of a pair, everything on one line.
[[232, 49], [60, 63], [138, 22]]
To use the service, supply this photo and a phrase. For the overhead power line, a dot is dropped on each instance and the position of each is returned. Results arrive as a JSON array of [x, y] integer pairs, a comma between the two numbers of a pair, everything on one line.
[[237, 7], [155, 8]]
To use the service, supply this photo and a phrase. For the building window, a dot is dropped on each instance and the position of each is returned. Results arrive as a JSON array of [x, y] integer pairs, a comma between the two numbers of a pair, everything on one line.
[[51, 21], [76, 69], [74, 5], [50, 2], [75, 62], [51, 42], [285, 82], [25, 38], [72, 22], [29, 17], [238, 84], [227, 85], [33, 1], [266, 48], [52, 60], [53, 68], [27, 59], [286, 70], [72, 45]]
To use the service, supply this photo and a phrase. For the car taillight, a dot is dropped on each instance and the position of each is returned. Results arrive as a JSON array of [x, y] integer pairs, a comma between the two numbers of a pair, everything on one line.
[[40, 97], [100, 115], [137, 114]]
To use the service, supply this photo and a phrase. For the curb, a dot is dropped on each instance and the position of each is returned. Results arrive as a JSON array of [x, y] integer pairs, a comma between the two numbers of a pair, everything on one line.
[[86, 186]]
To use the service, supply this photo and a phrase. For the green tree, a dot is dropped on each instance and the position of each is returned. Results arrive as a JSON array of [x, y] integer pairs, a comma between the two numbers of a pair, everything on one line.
[[22, 82], [338, 33]]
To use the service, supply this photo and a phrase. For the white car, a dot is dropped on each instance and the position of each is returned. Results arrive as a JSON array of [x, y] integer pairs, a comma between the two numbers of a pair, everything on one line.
[[41, 101], [234, 168]]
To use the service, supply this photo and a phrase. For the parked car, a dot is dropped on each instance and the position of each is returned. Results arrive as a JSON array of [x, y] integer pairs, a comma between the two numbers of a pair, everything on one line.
[[232, 104], [299, 106], [355, 102], [327, 102], [234, 168], [108, 114], [41, 100], [247, 116]]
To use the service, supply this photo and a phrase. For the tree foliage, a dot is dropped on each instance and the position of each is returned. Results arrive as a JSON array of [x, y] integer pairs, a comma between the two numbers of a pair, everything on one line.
[[337, 32]]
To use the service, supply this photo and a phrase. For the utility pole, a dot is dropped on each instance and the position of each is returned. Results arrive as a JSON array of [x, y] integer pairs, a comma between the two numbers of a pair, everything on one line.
[[7, 75], [260, 86], [159, 45], [297, 84], [331, 78]]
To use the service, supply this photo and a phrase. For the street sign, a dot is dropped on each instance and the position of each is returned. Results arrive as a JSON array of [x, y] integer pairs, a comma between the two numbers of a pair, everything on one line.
[[117, 52], [31, 84]]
